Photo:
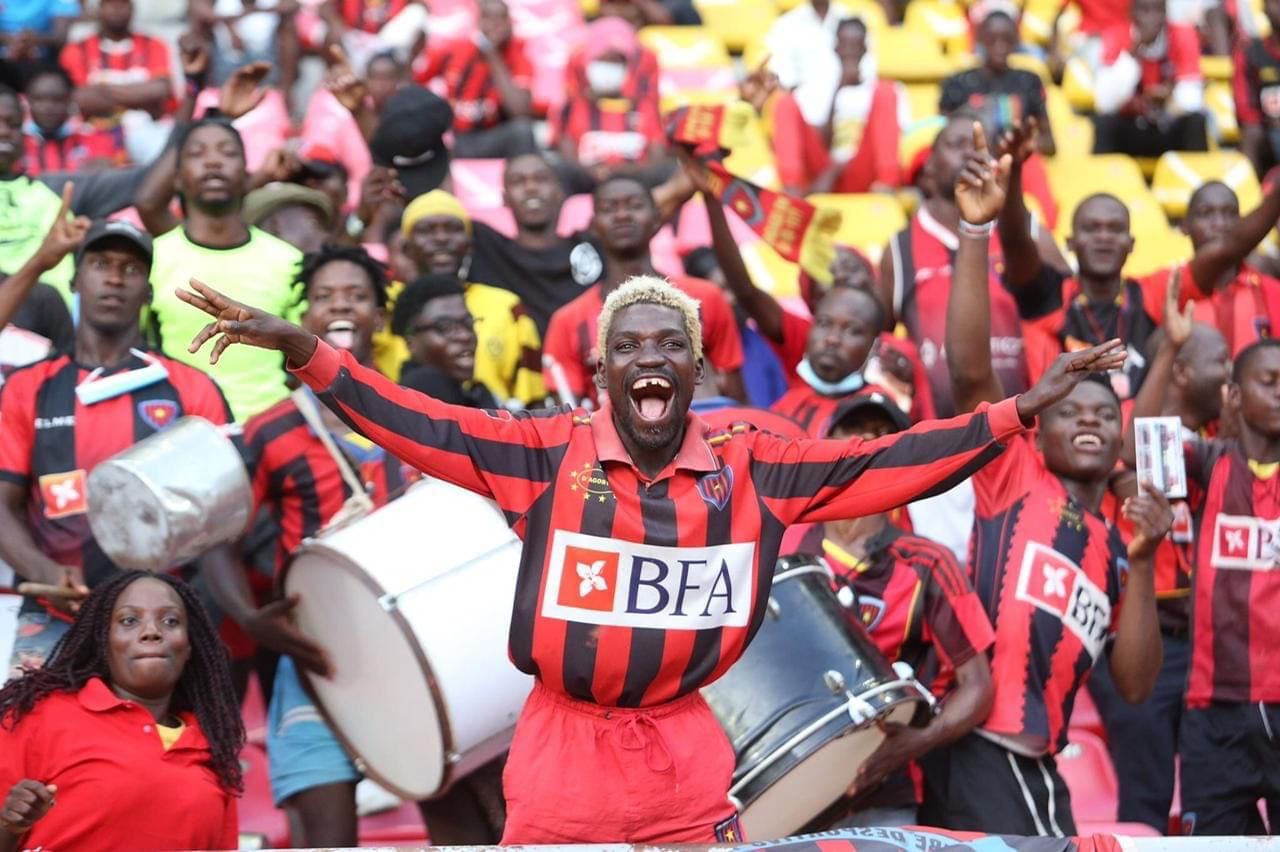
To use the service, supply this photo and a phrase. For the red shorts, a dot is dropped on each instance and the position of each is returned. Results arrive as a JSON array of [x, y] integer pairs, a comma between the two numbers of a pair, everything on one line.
[[583, 773]]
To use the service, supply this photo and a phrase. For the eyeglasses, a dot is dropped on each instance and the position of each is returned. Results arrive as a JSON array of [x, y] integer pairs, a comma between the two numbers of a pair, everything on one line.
[[445, 326]]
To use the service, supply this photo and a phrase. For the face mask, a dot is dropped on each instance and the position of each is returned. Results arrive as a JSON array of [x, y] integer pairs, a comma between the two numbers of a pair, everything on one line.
[[606, 78], [849, 384]]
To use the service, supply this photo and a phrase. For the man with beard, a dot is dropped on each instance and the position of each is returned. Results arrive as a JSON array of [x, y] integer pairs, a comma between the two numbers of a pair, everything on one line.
[[1143, 738], [1047, 566], [431, 315], [211, 181], [625, 219], [627, 603], [1226, 741]]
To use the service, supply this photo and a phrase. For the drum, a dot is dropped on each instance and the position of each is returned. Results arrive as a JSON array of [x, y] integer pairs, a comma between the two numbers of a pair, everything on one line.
[[170, 497], [801, 706], [10, 603], [413, 603]]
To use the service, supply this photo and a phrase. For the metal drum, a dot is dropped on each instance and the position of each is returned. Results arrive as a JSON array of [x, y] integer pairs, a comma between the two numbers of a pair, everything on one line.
[[413, 604], [801, 706], [10, 603], [170, 497]]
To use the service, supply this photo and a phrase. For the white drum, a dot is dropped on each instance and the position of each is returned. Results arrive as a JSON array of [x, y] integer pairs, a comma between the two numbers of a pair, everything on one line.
[[10, 603], [413, 604], [170, 497]]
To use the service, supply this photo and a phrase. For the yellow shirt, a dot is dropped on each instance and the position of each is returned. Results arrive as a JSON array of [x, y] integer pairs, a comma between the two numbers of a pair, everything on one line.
[[508, 348], [261, 273]]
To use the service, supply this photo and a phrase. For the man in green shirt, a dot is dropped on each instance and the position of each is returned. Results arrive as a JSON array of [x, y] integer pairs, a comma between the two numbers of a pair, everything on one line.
[[207, 169]]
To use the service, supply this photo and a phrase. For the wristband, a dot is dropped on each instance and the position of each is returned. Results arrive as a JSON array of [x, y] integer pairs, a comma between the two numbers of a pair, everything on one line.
[[968, 229]]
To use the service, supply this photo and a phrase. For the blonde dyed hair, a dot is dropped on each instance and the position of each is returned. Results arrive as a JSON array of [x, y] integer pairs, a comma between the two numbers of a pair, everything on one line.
[[650, 290]]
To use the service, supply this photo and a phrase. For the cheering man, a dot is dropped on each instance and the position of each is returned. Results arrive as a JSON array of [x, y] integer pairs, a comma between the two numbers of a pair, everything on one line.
[[649, 546]]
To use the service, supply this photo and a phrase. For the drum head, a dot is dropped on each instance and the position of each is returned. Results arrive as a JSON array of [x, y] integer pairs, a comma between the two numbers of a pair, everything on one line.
[[817, 782], [379, 672], [127, 518]]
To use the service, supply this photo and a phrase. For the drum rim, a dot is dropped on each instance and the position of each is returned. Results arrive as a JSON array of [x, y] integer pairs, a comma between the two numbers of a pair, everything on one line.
[[433, 684]]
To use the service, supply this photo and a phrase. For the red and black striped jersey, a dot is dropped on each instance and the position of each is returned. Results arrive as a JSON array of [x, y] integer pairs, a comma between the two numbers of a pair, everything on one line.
[[136, 59], [810, 409], [1235, 632], [914, 601], [635, 591], [466, 82], [370, 16], [1049, 573], [571, 334], [299, 482], [609, 130], [73, 150], [50, 441]]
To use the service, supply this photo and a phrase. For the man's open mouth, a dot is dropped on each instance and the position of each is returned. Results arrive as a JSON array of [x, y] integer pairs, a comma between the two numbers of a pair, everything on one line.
[[651, 397], [341, 334], [1088, 442]]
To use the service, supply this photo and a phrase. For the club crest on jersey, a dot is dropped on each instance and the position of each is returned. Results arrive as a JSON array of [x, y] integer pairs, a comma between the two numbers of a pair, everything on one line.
[[64, 494], [716, 488], [1051, 582], [594, 580], [590, 481], [159, 414], [870, 611]]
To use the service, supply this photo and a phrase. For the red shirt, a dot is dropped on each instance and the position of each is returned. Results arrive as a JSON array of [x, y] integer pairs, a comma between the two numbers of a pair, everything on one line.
[[370, 16], [72, 150], [634, 592], [1235, 633], [118, 788], [1245, 311], [571, 334], [1181, 60], [1256, 83], [464, 79], [49, 442], [1098, 16], [136, 59], [1049, 574]]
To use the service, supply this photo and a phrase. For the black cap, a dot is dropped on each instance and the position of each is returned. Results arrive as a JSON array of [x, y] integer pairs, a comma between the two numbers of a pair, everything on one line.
[[410, 139], [116, 229], [871, 397]]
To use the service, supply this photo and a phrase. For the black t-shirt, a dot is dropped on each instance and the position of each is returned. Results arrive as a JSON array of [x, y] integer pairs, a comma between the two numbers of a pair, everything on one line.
[[435, 384], [44, 312], [543, 278], [980, 90]]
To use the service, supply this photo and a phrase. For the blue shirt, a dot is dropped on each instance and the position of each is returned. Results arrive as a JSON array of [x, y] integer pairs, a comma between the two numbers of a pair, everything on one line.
[[762, 373], [35, 15]]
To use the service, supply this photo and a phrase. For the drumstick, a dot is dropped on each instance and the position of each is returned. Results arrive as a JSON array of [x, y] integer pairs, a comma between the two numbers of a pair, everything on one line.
[[44, 590]]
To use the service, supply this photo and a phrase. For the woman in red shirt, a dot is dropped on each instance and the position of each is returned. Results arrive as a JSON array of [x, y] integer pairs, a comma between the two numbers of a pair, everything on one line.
[[129, 737]]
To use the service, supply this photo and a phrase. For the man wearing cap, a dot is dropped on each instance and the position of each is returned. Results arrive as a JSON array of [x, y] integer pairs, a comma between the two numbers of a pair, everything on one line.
[[410, 139], [437, 239], [917, 605], [299, 215], [61, 416]]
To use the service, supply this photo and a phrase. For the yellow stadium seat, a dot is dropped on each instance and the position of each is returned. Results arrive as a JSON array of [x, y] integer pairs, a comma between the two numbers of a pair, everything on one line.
[[1146, 216], [867, 221], [770, 271], [1077, 84], [1157, 250], [590, 8], [1216, 68], [1073, 134], [1221, 103], [906, 55], [737, 22], [1072, 178], [1034, 64], [869, 12], [944, 22], [922, 99], [1179, 173], [685, 48], [1036, 26]]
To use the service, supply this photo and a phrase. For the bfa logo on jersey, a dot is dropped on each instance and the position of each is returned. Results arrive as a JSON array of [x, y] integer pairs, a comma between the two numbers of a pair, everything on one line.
[[159, 414], [716, 488], [1051, 582], [870, 611]]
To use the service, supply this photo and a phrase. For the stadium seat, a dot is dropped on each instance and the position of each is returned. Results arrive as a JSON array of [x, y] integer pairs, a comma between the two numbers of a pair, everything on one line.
[[1073, 178], [1036, 26], [737, 22], [262, 824], [870, 12], [575, 215], [867, 221], [401, 826], [1084, 716], [694, 231], [1218, 68], [1077, 83], [923, 99], [253, 710], [1157, 250], [685, 48], [1072, 133], [1221, 103], [1179, 173], [477, 183], [1086, 767], [1034, 64], [944, 22], [906, 55]]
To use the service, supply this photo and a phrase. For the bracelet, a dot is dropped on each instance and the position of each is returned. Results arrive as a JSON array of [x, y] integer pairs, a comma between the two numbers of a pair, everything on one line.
[[968, 229]]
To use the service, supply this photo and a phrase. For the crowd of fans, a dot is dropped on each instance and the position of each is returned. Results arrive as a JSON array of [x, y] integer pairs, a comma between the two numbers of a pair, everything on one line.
[[457, 194]]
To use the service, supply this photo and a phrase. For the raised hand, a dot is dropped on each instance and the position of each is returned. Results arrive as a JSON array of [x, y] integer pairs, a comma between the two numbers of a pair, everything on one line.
[[1177, 324], [1151, 516], [65, 235], [1020, 141], [1069, 370], [696, 172], [983, 182], [243, 90], [27, 802], [237, 323], [194, 52]]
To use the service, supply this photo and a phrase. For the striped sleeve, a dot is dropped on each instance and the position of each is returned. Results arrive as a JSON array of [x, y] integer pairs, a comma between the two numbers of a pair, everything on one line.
[[17, 427], [957, 623], [510, 458], [824, 480]]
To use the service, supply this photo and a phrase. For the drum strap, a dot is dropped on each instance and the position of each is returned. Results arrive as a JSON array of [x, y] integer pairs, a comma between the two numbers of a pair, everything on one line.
[[358, 504]]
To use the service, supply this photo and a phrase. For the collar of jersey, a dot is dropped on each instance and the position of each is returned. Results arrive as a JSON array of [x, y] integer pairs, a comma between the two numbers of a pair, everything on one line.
[[694, 454], [875, 544], [1264, 470]]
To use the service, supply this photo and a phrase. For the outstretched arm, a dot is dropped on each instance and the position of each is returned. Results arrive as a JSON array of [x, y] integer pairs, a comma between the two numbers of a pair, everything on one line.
[[1150, 398], [1021, 253], [1215, 259]]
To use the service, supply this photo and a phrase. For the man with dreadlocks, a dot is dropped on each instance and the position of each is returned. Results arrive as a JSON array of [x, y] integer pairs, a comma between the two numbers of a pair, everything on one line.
[[650, 542], [132, 728]]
